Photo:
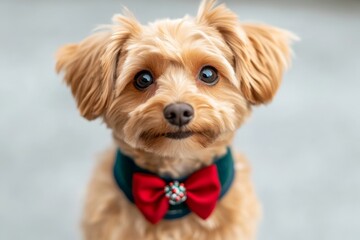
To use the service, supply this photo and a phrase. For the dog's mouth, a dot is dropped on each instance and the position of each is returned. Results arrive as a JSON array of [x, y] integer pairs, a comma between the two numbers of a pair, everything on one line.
[[178, 135], [204, 137]]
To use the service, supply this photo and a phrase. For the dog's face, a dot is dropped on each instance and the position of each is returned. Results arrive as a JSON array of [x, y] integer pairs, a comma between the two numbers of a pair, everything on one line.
[[176, 86]]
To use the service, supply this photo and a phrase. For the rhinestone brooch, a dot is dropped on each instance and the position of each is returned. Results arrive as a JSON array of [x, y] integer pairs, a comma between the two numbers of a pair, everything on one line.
[[175, 192]]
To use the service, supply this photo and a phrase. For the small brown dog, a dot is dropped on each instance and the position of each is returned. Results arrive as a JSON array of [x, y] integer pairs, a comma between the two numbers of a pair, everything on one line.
[[174, 92]]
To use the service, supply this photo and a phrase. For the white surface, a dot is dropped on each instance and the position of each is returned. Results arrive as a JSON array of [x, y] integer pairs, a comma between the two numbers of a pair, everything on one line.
[[304, 147]]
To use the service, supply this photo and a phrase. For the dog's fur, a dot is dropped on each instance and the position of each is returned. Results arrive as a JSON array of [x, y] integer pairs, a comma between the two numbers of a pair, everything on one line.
[[100, 70]]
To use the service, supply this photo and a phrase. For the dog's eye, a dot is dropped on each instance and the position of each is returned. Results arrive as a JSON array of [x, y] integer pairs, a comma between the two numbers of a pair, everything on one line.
[[209, 75], [143, 80]]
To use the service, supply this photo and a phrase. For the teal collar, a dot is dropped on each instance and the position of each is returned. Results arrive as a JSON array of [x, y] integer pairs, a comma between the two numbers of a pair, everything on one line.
[[125, 167]]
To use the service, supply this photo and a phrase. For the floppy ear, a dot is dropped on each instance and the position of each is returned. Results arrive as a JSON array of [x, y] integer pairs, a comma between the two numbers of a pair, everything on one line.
[[90, 66], [83, 73], [261, 52], [268, 54]]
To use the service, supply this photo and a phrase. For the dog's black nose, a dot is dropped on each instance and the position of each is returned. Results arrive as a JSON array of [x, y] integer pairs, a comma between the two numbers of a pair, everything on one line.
[[178, 114]]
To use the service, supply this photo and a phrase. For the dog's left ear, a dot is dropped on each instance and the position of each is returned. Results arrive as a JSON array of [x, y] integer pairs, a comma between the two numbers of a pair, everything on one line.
[[261, 53]]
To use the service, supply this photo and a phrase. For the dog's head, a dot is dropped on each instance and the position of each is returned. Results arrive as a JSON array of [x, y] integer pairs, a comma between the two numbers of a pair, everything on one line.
[[176, 86]]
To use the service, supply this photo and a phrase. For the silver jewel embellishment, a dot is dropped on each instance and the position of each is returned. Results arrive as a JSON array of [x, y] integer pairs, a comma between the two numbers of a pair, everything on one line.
[[175, 192]]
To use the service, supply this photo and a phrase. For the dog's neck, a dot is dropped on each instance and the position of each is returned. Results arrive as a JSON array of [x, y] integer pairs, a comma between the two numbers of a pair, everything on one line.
[[175, 167]]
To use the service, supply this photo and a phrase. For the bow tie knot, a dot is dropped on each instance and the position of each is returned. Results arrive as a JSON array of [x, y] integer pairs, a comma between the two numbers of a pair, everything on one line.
[[175, 192]]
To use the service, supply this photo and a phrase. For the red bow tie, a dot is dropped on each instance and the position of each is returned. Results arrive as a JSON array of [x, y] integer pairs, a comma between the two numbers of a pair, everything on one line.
[[200, 192]]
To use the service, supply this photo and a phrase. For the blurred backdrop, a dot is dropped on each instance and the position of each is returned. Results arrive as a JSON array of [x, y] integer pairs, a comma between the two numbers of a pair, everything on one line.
[[304, 147]]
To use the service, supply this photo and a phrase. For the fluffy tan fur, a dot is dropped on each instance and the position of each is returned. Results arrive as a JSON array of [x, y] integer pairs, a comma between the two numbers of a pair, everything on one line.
[[100, 71]]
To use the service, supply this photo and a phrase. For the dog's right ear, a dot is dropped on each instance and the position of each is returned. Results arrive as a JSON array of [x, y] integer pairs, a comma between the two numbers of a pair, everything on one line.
[[90, 66], [83, 73]]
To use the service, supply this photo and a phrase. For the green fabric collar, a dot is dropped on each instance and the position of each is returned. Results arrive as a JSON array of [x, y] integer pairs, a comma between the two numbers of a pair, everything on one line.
[[125, 167]]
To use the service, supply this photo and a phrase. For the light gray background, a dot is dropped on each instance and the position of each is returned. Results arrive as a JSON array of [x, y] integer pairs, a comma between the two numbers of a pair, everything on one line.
[[304, 147]]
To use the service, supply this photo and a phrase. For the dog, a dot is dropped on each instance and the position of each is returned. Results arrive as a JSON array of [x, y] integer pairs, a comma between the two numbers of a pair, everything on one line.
[[174, 92]]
